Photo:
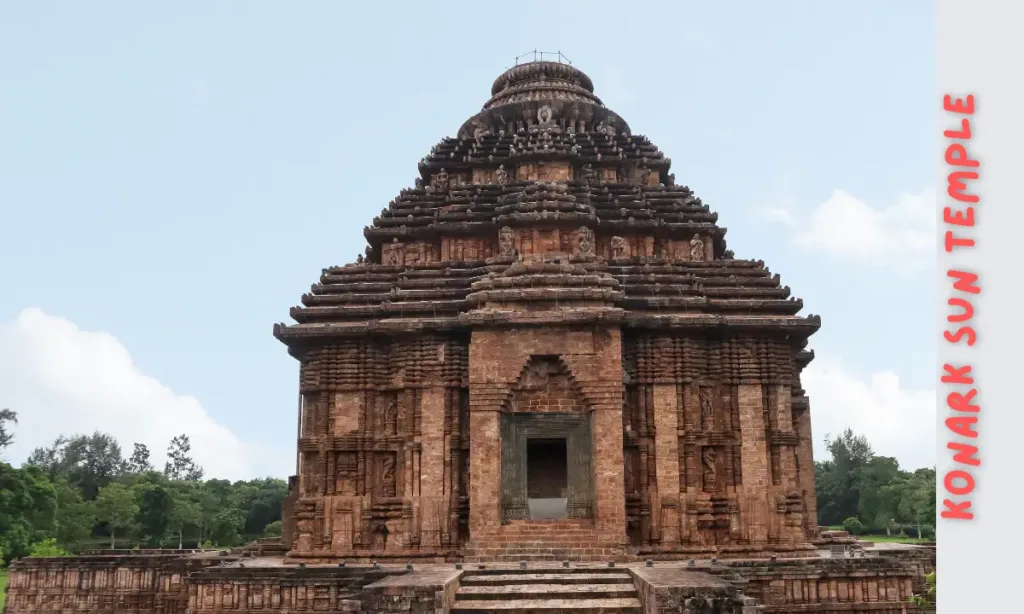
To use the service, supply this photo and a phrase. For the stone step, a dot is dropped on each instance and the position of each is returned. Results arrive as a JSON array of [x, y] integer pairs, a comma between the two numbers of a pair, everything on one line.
[[547, 591], [551, 606], [551, 556], [567, 576], [550, 549]]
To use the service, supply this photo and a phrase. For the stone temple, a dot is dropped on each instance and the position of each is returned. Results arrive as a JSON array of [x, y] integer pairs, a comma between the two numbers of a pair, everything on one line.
[[547, 385], [547, 327]]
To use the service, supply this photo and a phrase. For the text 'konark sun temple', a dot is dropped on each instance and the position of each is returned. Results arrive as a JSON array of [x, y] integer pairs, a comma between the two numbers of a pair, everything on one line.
[[547, 386]]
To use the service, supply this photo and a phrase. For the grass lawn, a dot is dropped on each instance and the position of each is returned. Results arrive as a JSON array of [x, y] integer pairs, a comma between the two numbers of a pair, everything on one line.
[[891, 539], [894, 539]]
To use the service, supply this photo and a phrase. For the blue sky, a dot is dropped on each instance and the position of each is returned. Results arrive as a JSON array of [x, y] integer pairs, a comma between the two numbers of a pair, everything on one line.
[[173, 178]]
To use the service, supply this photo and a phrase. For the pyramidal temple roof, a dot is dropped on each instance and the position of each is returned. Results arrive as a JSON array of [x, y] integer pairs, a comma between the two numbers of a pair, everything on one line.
[[544, 206]]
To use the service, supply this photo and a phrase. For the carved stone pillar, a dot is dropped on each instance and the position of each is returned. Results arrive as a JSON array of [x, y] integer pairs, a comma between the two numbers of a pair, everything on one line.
[[755, 472], [805, 463], [666, 442], [484, 457], [433, 491]]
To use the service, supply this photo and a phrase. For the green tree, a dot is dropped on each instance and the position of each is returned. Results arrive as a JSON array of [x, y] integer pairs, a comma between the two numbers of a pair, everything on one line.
[[227, 527], [917, 503], [75, 516], [185, 509], [180, 465], [117, 506], [28, 506], [87, 462], [139, 460], [262, 500], [154, 518], [7, 416]]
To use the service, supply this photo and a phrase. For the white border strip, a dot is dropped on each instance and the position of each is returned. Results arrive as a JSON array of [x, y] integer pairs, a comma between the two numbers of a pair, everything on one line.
[[979, 284]]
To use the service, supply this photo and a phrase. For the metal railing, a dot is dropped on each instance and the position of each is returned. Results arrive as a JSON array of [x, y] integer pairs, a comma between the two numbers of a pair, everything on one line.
[[538, 56]]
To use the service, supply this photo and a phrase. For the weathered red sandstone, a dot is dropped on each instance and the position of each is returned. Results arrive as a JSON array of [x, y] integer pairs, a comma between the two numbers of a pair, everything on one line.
[[546, 353]]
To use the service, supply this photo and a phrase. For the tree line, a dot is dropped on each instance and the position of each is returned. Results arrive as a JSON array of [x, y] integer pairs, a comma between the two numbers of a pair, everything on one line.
[[866, 493], [81, 492]]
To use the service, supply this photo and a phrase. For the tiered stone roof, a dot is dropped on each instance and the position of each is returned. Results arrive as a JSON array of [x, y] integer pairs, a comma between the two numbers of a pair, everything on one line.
[[545, 203]]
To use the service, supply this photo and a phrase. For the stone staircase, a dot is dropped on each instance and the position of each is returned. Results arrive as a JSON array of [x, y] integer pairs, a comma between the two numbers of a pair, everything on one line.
[[540, 540], [550, 590]]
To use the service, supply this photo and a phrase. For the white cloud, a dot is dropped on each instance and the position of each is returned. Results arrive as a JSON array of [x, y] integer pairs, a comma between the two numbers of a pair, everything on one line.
[[63, 380], [851, 230], [896, 421]]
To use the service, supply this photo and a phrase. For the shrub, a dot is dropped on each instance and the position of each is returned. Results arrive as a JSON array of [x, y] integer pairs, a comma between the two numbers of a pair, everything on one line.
[[273, 529], [928, 532], [47, 548], [853, 526]]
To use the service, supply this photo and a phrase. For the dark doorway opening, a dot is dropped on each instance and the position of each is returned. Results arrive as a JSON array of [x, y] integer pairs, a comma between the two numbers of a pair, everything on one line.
[[547, 478]]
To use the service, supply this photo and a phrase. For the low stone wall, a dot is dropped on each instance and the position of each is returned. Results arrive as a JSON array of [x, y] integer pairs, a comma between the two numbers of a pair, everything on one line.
[[281, 590], [213, 583], [865, 585], [665, 590], [104, 584], [430, 591]]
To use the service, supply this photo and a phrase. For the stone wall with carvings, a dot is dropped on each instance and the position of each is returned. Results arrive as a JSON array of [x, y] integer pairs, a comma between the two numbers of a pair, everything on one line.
[[717, 454], [104, 584], [280, 589], [875, 585], [383, 448]]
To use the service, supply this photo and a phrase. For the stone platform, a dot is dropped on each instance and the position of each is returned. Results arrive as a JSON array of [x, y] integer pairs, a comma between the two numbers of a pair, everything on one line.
[[227, 582]]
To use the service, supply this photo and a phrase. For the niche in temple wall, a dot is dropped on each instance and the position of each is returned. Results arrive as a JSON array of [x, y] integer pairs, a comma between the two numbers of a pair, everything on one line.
[[466, 249], [626, 246], [347, 466], [385, 475], [397, 253], [385, 415], [694, 249], [544, 171]]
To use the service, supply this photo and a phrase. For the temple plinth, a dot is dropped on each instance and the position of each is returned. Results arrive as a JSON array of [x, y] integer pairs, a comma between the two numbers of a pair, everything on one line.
[[547, 335]]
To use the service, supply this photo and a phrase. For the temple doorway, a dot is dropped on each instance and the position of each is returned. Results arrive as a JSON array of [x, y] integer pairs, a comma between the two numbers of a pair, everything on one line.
[[547, 479], [546, 466]]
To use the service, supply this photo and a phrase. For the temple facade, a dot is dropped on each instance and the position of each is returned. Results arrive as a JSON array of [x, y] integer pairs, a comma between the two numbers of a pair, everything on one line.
[[547, 340]]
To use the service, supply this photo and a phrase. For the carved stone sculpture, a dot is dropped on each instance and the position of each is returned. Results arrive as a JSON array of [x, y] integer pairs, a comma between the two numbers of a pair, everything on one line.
[[501, 175], [544, 115], [395, 254], [707, 408], [710, 470], [645, 176], [442, 180], [506, 242], [586, 241], [588, 175], [618, 247], [696, 249]]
